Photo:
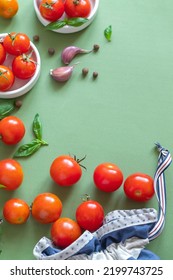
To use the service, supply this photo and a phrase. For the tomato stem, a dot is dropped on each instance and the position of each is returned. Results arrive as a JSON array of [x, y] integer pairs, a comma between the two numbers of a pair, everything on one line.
[[79, 160], [86, 197], [48, 5], [2, 74], [76, 2], [2, 186], [12, 37], [27, 57]]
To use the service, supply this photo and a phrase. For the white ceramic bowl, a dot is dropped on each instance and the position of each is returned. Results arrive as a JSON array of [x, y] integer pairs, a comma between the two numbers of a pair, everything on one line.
[[67, 28], [20, 87]]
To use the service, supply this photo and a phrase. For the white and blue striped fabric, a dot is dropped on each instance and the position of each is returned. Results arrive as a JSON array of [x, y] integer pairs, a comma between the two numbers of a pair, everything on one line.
[[124, 233]]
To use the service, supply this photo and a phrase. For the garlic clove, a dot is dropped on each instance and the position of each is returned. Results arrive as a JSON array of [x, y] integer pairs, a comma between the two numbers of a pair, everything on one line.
[[62, 74], [70, 52]]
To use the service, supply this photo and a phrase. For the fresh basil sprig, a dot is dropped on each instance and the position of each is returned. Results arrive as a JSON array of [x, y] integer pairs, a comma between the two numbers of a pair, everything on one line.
[[6, 108], [108, 33], [30, 148], [75, 21], [37, 127]]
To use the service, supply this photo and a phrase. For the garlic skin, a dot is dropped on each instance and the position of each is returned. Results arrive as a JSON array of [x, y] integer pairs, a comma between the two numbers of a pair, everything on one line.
[[70, 52], [62, 74]]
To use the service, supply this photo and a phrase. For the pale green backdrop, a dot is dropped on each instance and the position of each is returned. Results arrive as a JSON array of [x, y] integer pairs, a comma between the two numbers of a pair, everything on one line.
[[117, 117]]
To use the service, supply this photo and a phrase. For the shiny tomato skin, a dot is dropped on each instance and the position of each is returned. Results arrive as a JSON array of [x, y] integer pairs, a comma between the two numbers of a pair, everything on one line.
[[6, 78], [50, 10], [12, 130], [46, 208], [23, 67], [11, 174], [2, 54], [16, 43], [77, 8], [108, 177], [139, 187], [16, 211], [90, 215], [8, 8], [65, 171], [64, 232]]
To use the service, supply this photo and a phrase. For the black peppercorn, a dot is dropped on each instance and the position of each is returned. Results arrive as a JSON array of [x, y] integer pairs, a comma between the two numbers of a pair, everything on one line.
[[51, 51], [18, 103], [85, 71], [95, 75], [96, 48], [36, 38]]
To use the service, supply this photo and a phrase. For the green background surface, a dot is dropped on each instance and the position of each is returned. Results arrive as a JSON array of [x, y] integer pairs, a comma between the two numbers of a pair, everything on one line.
[[117, 117]]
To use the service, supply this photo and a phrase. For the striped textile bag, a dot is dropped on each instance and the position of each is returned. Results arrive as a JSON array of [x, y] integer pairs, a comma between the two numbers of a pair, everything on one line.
[[124, 233]]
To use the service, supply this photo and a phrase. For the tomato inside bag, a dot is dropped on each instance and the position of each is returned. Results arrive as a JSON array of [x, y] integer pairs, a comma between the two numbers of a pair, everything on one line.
[[124, 234]]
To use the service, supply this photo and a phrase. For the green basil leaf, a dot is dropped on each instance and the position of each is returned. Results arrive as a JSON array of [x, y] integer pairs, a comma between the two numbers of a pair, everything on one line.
[[56, 24], [6, 108], [76, 21], [28, 149], [37, 127], [108, 33]]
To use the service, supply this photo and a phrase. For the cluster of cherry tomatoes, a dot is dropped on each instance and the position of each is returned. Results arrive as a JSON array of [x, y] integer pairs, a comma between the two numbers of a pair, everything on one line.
[[46, 208], [23, 66], [54, 10], [65, 171]]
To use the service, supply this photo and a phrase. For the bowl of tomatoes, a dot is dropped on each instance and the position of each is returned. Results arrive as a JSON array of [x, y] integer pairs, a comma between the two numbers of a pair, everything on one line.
[[20, 65], [66, 16]]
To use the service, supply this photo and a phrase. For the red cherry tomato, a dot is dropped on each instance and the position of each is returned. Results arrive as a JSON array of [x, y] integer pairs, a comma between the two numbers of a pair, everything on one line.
[[2, 54], [90, 215], [16, 43], [6, 78], [64, 232], [46, 208], [107, 177], [139, 187], [51, 10], [65, 171], [77, 8], [16, 211], [11, 174], [23, 66], [12, 130]]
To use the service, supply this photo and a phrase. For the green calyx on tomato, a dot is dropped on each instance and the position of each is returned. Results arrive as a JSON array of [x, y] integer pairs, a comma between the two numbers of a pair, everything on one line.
[[2, 186], [2, 72], [12, 37], [48, 5], [79, 161], [76, 2]]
